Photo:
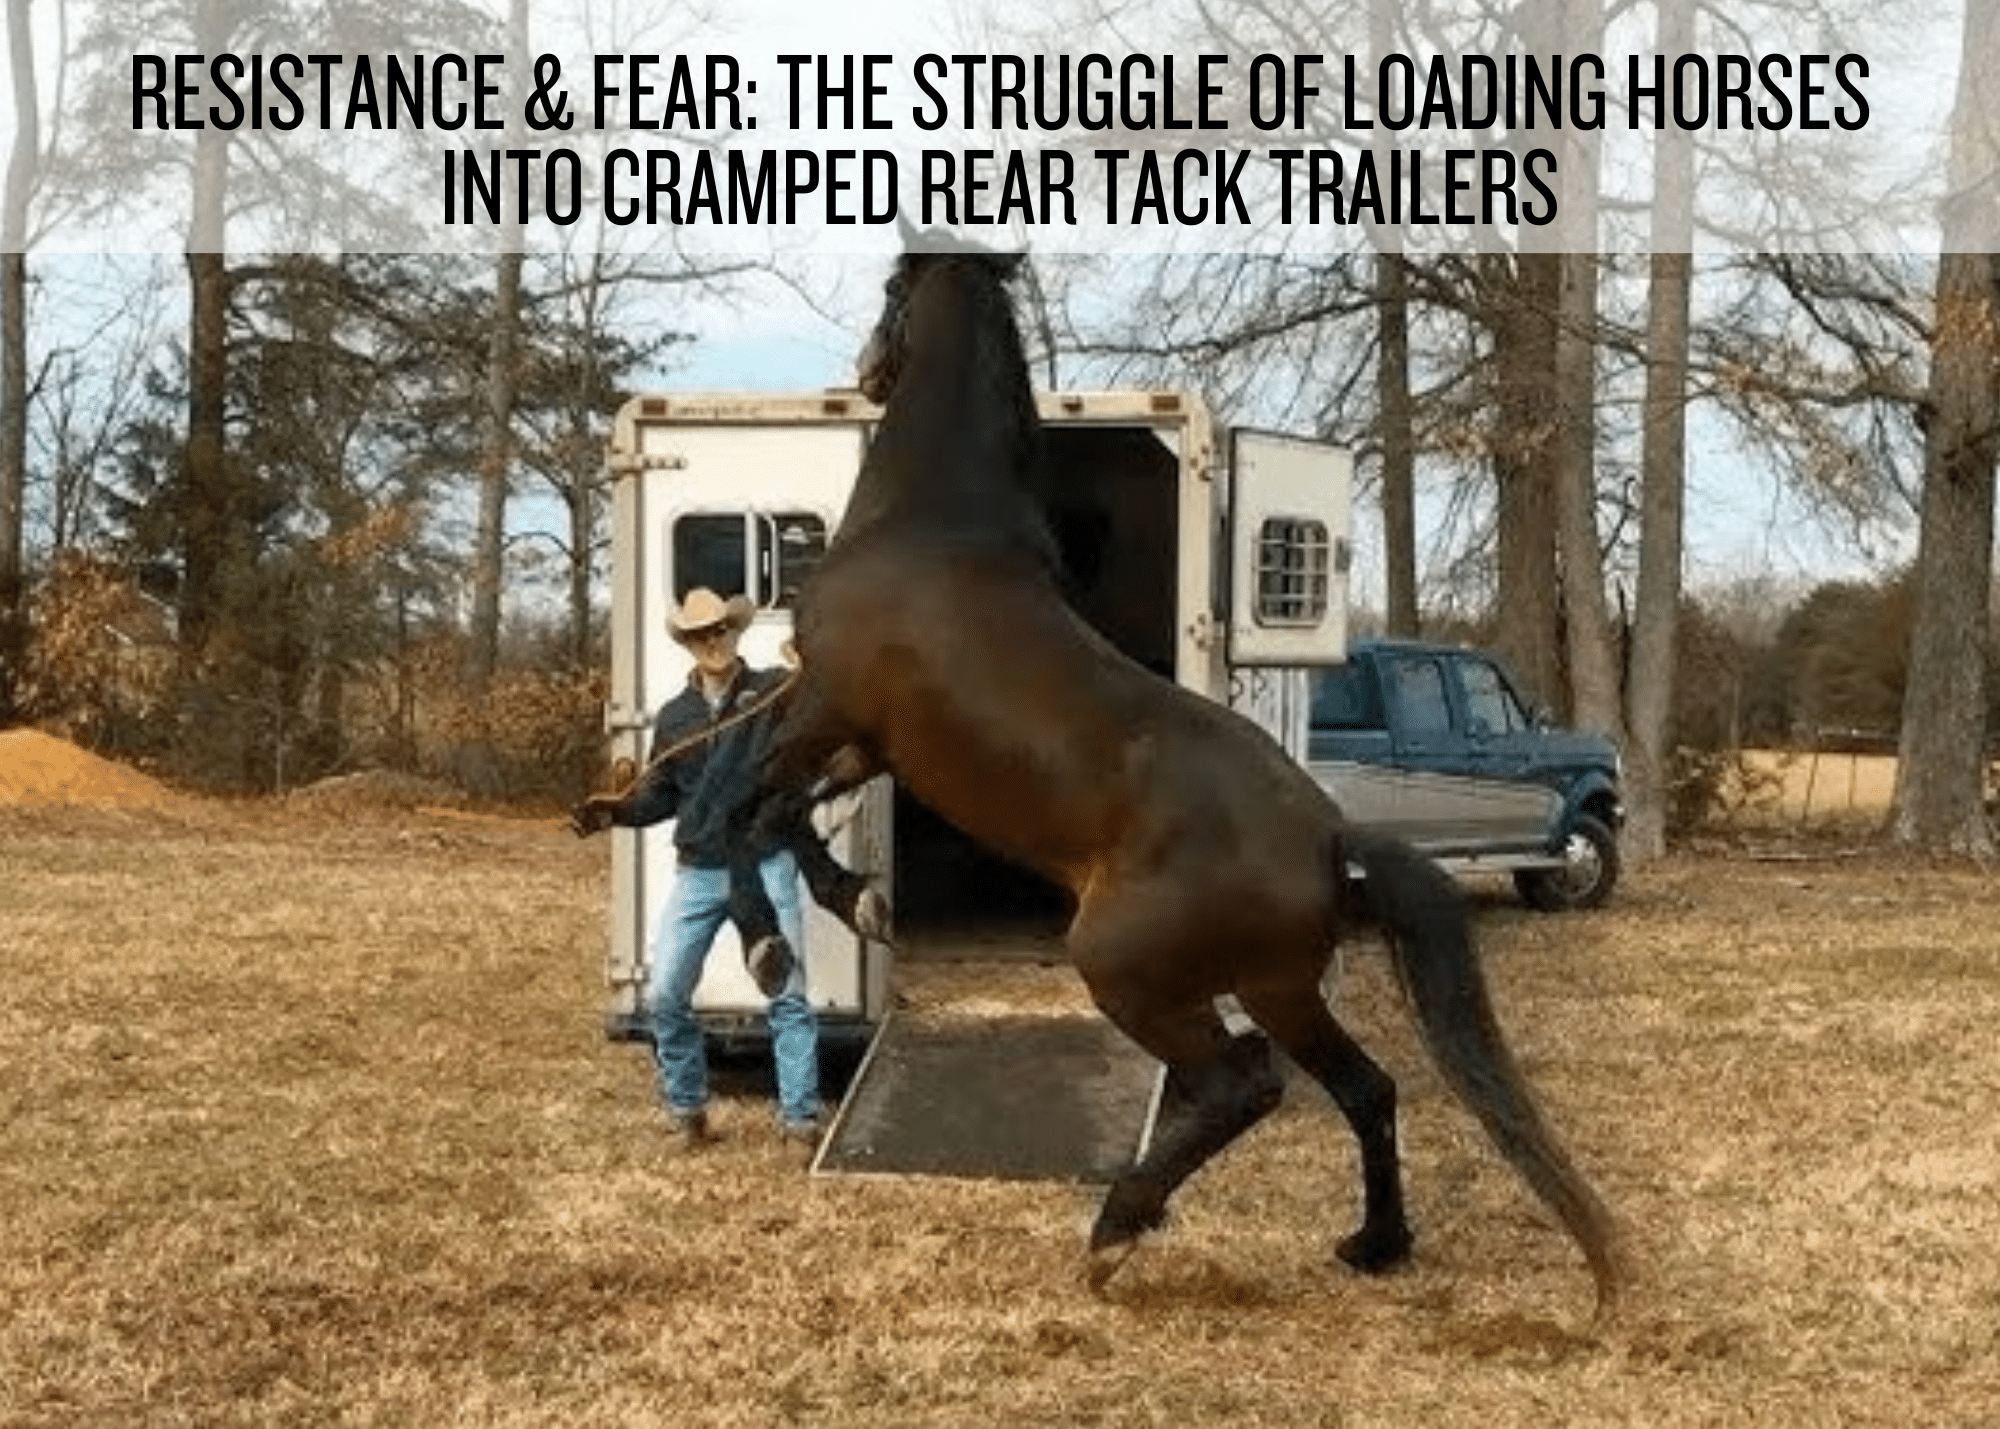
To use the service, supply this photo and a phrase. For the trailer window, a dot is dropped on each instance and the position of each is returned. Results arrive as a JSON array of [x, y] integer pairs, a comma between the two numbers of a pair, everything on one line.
[[765, 555], [1292, 571], [709, 550]]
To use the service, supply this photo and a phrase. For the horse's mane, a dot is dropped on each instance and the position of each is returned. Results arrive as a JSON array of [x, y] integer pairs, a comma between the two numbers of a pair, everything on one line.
[[1001, 327], [983, 282]]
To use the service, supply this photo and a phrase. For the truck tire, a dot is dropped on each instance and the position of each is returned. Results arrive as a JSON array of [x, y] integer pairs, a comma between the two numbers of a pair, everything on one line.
[[1589, 878]]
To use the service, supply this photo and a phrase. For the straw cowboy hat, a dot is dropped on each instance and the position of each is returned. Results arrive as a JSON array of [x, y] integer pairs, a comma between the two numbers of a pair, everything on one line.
[[703, 610]]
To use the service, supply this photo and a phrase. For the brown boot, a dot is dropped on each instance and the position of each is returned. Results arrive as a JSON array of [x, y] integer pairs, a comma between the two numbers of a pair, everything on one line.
[[689, 1131], [801, 1141]]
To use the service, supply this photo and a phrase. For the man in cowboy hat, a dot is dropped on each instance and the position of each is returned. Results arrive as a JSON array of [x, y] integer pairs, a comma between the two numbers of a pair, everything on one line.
[[703, 789]]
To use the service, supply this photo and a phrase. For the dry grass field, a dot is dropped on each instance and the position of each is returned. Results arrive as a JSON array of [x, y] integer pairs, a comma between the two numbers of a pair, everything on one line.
[[1805, 788], [311, 1122]]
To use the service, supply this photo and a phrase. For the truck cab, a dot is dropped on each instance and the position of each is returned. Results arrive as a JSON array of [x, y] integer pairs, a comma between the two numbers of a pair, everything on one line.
[[1433, 743]]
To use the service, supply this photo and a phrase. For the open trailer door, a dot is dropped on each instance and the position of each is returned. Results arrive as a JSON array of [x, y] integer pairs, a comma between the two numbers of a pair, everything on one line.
[[1290, 547]]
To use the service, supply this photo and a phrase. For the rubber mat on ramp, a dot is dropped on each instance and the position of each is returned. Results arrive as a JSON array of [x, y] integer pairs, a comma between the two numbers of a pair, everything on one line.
[[1007, 1097]]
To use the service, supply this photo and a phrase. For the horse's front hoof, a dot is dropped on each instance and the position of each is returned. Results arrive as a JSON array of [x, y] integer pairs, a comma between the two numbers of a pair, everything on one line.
[[1131, 1207], [770, 963], [1105, 1262], [1375, 1252], [871, 915]]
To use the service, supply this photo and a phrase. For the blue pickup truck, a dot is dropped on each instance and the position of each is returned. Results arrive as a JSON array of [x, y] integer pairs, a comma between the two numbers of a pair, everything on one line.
[[1432, 742]]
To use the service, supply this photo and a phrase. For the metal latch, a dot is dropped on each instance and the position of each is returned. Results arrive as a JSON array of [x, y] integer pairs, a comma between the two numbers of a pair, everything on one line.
[[621, 719], [631, 463]]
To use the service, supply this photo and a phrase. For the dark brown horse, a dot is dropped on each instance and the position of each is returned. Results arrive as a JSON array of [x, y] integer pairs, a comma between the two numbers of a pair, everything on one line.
[[936, 644]]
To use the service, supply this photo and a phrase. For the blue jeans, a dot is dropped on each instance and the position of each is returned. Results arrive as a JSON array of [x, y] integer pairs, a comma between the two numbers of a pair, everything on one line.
[[694, 913]]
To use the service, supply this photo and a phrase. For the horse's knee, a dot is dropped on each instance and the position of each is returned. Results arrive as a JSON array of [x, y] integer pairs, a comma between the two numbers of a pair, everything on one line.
[[1367, 1096], [1237, 1088]]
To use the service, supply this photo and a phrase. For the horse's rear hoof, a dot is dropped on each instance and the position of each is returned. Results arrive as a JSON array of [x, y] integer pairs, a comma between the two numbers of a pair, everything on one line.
[[1376, 1252]]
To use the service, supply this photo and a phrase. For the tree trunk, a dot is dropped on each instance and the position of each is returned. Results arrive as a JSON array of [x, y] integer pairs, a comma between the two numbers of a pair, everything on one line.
[[1586, 623], [1393, 405], [1941, 765], [503, 385], [585, 460], [1392, 379], [1522, 304], [211, 513], [582, 528], [22, 162], [1663, 474], [1563, 27], [488, 552], [1656, 620]]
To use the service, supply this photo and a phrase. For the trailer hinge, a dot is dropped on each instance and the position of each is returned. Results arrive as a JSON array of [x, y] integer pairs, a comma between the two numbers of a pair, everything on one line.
[[1202, 631]]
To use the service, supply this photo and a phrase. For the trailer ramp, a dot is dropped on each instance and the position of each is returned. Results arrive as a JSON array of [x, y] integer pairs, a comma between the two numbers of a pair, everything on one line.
[[999, 1072]]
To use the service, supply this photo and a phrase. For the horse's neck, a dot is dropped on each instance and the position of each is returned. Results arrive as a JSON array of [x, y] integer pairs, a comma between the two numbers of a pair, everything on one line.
[[959, 441]]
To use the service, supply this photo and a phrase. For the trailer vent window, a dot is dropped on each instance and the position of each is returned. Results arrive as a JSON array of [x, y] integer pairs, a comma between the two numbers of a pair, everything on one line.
[[1294, 560], [765, 555], [791, 545]]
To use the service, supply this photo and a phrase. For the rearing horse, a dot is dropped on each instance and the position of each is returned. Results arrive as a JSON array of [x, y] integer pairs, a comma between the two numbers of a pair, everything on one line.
[[936, 644]]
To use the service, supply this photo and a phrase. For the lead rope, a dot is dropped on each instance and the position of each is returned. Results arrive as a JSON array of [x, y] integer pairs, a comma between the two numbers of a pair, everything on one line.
[[708, 732]]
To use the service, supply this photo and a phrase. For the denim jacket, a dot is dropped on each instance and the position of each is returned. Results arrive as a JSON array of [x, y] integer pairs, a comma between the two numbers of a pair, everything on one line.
[[705, 786]]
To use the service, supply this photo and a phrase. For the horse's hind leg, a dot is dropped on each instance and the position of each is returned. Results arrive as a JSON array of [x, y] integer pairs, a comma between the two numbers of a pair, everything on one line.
[[1225, 1085], [1299, 1020]]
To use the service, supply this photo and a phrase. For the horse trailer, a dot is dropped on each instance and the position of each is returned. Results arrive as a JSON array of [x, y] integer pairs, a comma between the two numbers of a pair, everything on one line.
[[1217, 559]]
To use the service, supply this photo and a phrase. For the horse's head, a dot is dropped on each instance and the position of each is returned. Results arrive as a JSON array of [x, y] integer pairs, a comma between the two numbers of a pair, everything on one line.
[[925, 256]]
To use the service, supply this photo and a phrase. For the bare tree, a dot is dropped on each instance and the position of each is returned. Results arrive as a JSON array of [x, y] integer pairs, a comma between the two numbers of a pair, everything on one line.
[[575, 369], [217, 543], [23, 160], [1520, 298], [503, 385], [1655, 618], [1940, 772], [1394, 419]]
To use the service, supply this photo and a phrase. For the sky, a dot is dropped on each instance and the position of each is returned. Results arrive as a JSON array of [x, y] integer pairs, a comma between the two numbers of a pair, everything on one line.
[[1880, 200], [779, 337]]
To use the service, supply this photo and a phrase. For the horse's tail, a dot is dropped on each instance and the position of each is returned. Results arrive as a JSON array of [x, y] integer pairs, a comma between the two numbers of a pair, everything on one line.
[[1420, 908]]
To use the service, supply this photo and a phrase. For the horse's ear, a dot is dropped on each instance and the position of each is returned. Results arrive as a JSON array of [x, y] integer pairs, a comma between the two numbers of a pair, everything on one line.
[[907, 231]]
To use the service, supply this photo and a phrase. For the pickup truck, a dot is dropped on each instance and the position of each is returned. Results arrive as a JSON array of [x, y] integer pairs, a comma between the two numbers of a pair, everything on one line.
[[1433, 743]]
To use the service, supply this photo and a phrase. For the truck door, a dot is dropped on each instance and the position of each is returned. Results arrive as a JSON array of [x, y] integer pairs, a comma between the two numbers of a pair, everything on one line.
[[1420, 714], [1504, 749], [1289, 550]]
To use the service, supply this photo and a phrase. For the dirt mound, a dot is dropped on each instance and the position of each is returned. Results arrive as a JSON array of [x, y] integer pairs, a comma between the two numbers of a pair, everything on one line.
[[369, 789], [40, 769]]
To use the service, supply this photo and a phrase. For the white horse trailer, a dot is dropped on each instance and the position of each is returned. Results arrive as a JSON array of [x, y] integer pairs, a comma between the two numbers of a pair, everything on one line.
[[1218, 560]]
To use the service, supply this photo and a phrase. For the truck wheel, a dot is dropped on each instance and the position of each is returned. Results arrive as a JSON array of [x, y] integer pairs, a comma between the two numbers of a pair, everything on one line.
[[1588, 877]]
